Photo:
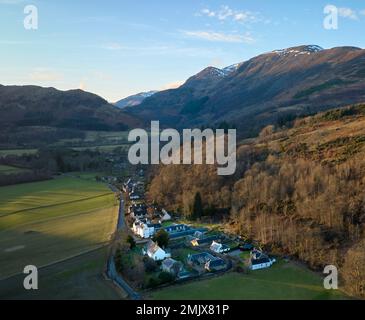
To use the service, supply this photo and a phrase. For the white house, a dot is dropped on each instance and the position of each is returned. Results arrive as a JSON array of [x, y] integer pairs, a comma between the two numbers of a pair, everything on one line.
[[145, 229], [219, 247], [260, 260], [153, 251]]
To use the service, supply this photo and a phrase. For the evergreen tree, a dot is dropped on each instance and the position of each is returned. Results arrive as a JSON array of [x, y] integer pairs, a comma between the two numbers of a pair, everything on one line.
[[197, 207]]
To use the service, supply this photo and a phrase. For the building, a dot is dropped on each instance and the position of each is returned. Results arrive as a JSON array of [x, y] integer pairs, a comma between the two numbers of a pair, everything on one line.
[[138, 211], [144, 229], [199, 259], [134, 196], [215, 265], [128, 185], [259, 260], [181, 230], [207, 262], [172, 266], [153, 251], [165, 216], [198, 239], [219, 247]]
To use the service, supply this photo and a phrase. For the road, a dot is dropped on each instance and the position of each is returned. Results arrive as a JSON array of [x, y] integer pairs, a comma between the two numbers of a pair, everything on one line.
[[111, 269]]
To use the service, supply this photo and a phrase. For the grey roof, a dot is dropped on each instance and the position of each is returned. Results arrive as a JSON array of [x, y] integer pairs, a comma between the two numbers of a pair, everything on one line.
[[168, 263], [216, 263], [201, 258], [260, 261]]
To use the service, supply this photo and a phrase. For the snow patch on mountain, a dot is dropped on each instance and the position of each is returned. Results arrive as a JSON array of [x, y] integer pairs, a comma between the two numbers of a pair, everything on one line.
[[297, 51]]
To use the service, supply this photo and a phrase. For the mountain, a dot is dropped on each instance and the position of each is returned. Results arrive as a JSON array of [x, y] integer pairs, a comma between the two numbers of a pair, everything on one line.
[[25, 106], [270, 88], [134, 100]]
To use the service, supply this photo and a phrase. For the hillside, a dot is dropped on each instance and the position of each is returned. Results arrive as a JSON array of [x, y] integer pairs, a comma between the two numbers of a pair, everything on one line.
[[134, 100], [25, 106], [299, 191], [273, 87]]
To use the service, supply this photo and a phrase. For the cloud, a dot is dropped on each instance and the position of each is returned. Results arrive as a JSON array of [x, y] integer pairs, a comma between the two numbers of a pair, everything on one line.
[[226, 13], [43, 74], [347, 13], [362, 12], [173, 85], [220, 36]]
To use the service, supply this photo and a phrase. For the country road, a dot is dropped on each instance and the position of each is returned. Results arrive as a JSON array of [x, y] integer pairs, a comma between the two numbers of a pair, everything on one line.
[[111, 269]]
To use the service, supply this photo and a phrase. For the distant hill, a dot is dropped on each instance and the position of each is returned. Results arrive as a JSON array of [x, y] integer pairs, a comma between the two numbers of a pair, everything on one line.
[[270, 88], [134, 100], [25, 106]]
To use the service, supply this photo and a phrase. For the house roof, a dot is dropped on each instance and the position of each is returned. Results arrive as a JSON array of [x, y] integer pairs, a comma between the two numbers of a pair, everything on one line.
[[152, 247], [168, 263], [177, 228], [154, 225], [216, 246], [201, 258], [260, 261], [217, 262]]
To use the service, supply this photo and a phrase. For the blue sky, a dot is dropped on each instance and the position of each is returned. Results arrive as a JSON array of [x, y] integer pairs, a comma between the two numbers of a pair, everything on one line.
[[115, 48]]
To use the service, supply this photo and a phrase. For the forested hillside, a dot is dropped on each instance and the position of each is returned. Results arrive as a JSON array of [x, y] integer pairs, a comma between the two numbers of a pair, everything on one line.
[[299, 191]]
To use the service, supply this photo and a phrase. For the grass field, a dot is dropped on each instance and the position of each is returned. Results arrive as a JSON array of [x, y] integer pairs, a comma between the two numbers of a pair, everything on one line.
[[77, 278], [10, 170], [17, 152], [44, 222], [284, 281]]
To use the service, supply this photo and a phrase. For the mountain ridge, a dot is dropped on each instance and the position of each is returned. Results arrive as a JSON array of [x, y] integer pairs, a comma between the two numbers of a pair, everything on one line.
[[76, 109], [278, 84]]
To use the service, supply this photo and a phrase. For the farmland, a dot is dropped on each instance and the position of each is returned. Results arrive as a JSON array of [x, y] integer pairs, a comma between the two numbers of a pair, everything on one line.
[[77, 278], [10, 170], [284, 281], [45, 222]]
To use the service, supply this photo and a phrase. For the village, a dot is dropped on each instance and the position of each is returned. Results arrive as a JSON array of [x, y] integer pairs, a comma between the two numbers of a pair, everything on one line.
[[173, 250]]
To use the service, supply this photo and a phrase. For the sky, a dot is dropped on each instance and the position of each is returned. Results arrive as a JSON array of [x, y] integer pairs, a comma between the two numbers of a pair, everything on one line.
[[116, 48]]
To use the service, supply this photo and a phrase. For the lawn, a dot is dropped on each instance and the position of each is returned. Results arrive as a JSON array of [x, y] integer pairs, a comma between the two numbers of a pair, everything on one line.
[[182, 254], [284, 281], [44, 222]]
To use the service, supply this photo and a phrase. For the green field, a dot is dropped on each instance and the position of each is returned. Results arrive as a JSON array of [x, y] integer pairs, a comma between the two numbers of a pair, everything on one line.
[[17, 152], [77, 278], [10, 170], [284, 281], [44, 222]]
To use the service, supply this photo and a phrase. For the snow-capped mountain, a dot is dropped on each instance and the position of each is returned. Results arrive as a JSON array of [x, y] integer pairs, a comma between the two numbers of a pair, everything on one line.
[[232, 68], [134, 100], [275, 85], [297, 51]]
